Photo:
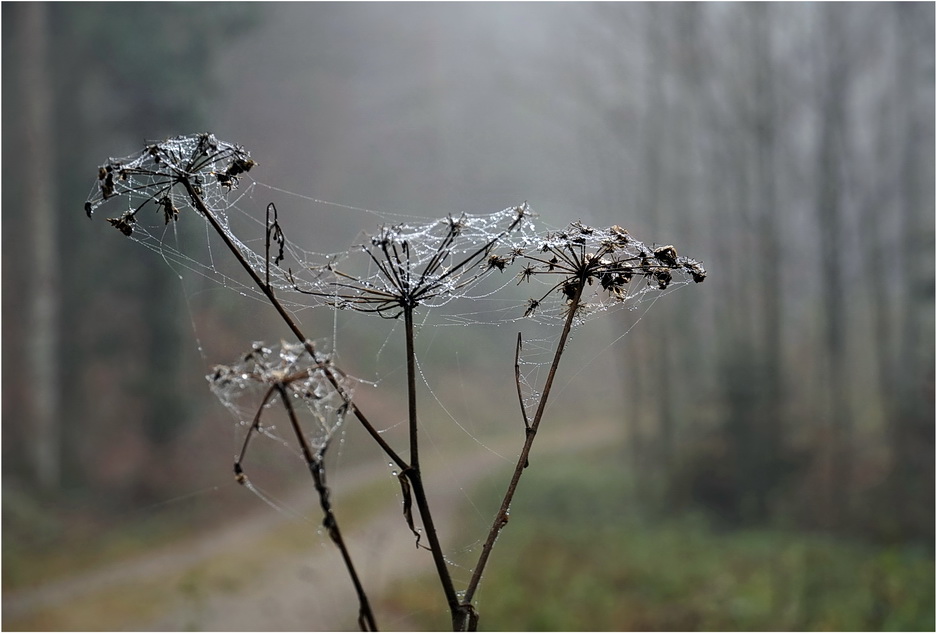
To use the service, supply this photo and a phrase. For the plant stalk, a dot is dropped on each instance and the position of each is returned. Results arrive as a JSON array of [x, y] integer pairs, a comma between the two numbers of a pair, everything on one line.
[[414, 474], [365, 616], [500, 520]]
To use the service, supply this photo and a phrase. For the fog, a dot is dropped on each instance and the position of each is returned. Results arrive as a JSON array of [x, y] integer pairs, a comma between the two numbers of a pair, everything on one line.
[[789, 147]]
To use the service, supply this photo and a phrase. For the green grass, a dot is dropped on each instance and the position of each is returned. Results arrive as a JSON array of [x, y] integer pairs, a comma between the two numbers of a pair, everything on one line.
[[576, 557]]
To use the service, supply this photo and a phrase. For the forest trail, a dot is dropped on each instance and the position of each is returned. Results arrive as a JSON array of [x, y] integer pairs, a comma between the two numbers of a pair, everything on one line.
[[246, 577]]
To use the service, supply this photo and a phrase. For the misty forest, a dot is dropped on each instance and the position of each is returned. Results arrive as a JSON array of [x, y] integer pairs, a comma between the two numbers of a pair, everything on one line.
[[355, 240]]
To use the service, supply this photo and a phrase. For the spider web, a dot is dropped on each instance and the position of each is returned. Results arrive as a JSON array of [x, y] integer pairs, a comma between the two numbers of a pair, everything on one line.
[[444, 260], [433, 253], [240, 386]]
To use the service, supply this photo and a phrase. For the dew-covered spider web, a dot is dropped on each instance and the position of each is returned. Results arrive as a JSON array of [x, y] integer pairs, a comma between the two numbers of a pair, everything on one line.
[[432, 262], [394, 259], [202, 205], [245, 383]]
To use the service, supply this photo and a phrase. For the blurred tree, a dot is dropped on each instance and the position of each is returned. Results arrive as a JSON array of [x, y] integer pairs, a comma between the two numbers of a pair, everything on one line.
[[765, 119], [35, 94], [910, 388], [111, 72], [833, 84], [658, 170]]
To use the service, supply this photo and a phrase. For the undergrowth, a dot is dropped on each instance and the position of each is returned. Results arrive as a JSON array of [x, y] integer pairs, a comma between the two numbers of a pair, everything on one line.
[[580, 557]]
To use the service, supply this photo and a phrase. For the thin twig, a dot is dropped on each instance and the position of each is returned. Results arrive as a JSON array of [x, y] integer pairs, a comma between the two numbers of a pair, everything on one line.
[[526, 420], [500, 520], [254, 426]]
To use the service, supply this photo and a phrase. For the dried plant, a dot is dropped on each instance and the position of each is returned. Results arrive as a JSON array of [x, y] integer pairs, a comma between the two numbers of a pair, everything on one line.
[[402, 268], [418, 265], [295, 375]]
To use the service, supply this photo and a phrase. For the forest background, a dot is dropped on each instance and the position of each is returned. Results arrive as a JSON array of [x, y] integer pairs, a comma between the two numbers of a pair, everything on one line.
[[789, 147]]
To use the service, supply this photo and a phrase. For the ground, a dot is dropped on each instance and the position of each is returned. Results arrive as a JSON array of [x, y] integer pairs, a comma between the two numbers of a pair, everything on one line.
[[271, 571]]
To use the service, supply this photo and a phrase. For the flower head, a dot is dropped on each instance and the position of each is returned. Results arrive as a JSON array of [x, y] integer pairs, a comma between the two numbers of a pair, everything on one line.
[[408, 265], [243, 385], [591, 267], [213, 168]]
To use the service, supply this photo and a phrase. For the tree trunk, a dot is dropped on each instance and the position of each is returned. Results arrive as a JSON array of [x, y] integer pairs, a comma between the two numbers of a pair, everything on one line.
[[832, 97], [655, 146], [769, 293], [38, 201], [911, 421]]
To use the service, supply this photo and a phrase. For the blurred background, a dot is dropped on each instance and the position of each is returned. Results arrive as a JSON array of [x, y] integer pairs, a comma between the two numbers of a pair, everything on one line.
[[756, 453]]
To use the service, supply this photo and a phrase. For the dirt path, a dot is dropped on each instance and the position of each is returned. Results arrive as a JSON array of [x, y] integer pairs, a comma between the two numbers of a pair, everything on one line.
[[244, 579]]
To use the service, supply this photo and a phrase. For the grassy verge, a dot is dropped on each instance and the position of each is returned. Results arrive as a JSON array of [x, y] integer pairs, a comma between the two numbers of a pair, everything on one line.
[[43, 544], [576, 557]]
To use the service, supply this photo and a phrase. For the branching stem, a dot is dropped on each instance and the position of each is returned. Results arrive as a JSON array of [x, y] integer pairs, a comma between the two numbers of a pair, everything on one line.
[[365, 616], [290, 322], [411, 471], [317, 468]]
